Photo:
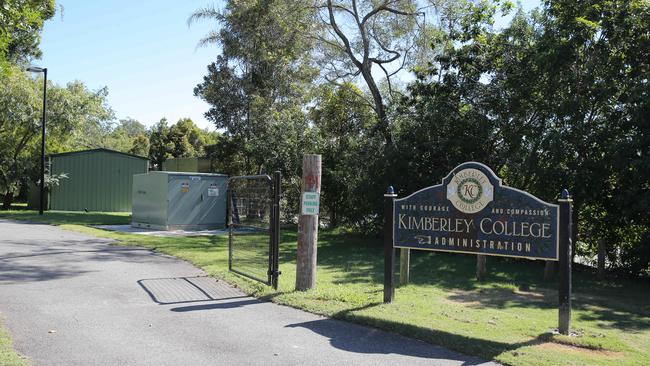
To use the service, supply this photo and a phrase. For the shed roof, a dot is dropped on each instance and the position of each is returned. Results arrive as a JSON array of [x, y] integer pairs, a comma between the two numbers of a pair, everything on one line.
[[101, 149]]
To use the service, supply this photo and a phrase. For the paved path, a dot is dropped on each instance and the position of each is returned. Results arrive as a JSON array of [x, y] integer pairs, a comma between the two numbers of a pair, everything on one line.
[[71, 299]]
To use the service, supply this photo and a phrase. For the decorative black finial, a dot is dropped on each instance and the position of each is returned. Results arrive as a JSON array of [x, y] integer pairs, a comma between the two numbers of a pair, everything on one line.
[[565, 194], [390, 190]]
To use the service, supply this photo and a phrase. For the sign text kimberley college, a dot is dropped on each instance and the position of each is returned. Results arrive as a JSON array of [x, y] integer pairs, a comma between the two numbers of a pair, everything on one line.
[[472, 212], [520, 231]]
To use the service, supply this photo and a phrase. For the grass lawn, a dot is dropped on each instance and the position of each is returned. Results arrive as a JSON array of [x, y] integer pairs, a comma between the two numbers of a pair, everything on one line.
[[509, 317], [9, 357]]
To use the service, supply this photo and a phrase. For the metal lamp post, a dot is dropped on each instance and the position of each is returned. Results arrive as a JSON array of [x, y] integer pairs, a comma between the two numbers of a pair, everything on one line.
[[42, 195]]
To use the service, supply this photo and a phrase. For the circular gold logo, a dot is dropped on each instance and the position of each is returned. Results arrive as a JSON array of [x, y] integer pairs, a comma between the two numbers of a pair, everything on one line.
[[470, 191]]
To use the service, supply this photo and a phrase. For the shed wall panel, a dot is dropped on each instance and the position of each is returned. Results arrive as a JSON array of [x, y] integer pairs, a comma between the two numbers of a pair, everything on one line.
[[97, 181]]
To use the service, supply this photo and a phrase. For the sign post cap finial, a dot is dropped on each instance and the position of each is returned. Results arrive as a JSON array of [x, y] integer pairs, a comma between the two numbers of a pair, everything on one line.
[[390, 190], [565, 194]]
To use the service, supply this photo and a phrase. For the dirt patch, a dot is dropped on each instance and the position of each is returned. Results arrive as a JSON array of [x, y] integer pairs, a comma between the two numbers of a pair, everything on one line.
[[555, 347]]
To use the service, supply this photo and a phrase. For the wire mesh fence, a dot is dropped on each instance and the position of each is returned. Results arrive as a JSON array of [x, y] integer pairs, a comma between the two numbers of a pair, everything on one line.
[[250, 213]]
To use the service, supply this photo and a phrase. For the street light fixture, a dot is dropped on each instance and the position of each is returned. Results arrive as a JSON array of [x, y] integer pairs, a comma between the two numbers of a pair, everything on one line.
[[44, 71]]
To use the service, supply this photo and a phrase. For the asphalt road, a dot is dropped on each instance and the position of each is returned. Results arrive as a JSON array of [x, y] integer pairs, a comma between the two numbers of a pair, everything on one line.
[[71, 299]]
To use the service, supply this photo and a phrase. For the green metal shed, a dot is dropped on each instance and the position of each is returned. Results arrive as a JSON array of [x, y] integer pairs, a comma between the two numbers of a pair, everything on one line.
[[98, 180]]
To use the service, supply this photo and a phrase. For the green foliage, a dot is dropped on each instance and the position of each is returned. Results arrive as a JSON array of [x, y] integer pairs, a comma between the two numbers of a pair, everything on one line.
[[21, 22], [557, 99], [257, 88], [181, 140], [19, 124], [53, 180], [159, 146], [121, 137], [140, 145], [72, 111], [550, 102], [344, 121]]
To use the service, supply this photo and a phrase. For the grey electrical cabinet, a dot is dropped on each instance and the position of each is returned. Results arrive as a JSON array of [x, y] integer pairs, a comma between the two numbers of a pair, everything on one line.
[[173, 200]]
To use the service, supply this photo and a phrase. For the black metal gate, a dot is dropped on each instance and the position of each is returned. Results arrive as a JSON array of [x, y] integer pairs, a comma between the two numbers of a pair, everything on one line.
[[254, 223]]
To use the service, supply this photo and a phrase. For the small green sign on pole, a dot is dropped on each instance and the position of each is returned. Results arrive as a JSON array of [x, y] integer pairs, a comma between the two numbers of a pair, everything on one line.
[[310, 203]]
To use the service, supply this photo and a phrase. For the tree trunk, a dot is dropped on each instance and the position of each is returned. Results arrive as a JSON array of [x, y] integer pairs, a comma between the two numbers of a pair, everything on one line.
[[602, 249], [481, 267], [380, 109], [549, 271], [6, 200], [334, 220]]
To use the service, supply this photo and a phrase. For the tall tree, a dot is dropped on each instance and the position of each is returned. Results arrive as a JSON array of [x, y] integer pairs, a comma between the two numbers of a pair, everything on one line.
[[188, 140], [357, 36], [140, 145], [263, 72], [160, 148], [344, 124], [564, 90], [21, 23], [70, 108]]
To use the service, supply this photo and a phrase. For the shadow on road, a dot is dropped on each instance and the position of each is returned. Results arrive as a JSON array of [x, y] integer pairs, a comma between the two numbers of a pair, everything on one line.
[[217, 305], [358, 339], [180, 290]]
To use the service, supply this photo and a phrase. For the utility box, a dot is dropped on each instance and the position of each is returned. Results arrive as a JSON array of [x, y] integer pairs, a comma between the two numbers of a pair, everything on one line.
[[179, 201]]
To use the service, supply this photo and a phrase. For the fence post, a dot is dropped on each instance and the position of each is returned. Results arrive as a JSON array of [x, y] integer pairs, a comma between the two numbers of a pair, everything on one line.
[[564, 287], [275, 227], [389, 251], [308, 225], [230, 223]]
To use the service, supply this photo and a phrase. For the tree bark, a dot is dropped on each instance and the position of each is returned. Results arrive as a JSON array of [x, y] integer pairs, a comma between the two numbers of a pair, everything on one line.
[[334, 220], [7, 199], [380, 109], [602, 250]]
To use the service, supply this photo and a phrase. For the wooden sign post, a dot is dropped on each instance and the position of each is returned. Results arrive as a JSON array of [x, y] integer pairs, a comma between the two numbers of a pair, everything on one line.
[[564, 286], [308, 223], [389, 250]]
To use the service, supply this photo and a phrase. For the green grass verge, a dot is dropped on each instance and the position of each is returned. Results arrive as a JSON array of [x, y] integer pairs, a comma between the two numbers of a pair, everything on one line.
[[509, 317], [9, 357], [68, 217]]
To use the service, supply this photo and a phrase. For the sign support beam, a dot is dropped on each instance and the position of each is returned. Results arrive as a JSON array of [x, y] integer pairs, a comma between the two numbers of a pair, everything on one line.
[[389, 250], [565, 263], [404, 265]]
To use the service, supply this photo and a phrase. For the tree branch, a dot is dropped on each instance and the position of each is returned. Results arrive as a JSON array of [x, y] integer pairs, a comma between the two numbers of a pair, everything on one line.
[[340, 34]]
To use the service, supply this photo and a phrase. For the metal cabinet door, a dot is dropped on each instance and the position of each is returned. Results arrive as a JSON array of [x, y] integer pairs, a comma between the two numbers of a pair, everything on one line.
[[196, 200]]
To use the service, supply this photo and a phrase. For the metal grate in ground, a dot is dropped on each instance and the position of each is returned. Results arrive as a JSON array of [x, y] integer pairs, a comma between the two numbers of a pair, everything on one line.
[[179, 290]]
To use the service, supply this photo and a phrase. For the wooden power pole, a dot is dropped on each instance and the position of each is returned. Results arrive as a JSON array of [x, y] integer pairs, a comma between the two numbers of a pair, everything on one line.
[[308, 222]]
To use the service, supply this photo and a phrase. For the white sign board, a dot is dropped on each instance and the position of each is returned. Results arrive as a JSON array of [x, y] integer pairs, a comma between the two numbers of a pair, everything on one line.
[[310, 203]]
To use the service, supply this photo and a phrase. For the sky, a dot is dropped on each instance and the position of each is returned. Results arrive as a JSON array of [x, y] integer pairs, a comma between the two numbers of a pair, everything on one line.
[[142, 50]]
